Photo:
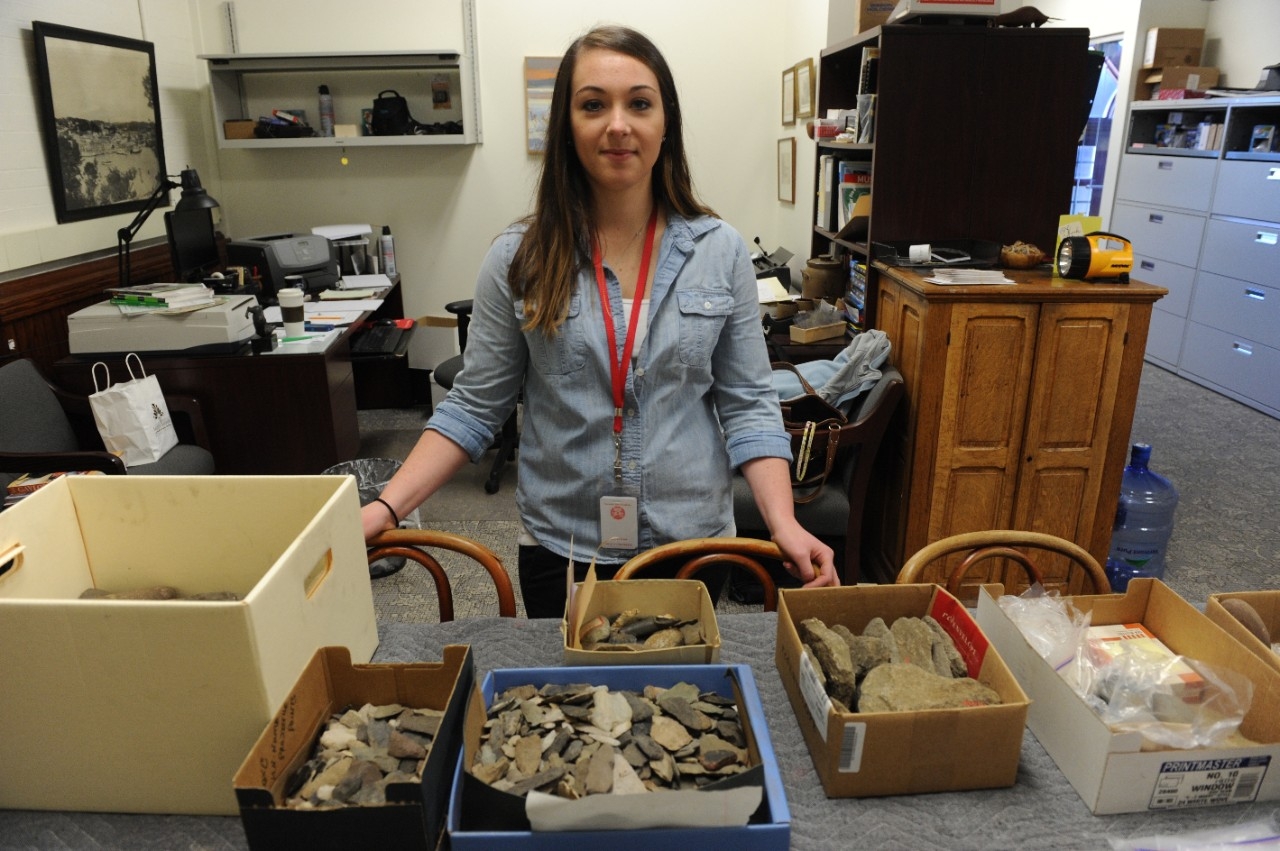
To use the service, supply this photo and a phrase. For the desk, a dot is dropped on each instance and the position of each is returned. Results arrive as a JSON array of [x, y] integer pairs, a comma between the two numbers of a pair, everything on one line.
[[274, 413], [1041, 811]]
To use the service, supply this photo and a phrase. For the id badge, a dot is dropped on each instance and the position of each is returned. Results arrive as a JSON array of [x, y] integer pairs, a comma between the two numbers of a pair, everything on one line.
[[619, 524]]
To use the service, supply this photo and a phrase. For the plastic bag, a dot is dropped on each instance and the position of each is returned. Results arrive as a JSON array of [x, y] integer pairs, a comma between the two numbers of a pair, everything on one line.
[[1052, 626], [1260, 833]]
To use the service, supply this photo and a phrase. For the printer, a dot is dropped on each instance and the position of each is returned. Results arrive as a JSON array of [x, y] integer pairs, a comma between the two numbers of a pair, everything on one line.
[[310, 260], [221, 328]]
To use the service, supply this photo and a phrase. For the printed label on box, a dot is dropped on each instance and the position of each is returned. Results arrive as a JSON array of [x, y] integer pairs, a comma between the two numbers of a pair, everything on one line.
[[965, 634], [1208, 782], [815, 696], [855, 733]]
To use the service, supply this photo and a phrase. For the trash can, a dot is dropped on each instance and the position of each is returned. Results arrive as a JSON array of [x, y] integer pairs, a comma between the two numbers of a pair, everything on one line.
[[372, 475]]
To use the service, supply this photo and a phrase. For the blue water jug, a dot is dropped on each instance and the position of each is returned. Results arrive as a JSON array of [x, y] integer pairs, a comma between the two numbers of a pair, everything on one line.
[[1144, 522]]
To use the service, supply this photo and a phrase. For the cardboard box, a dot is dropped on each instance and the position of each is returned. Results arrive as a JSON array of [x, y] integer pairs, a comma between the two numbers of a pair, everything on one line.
[[682, 598], [907, 9], [414, 814], [150, 706], [1156, 82], [483, 818], [817, 333], [238, 128], [872, 13], [900, 753], [1110, 770], [1266, 604], [1168, 46]]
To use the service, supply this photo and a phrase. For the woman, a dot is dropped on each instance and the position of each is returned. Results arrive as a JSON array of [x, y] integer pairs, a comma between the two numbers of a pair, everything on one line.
[[633, 426]]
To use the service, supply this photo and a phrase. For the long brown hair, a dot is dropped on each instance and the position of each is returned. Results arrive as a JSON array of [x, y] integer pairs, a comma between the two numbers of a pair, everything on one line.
[[559, 231]]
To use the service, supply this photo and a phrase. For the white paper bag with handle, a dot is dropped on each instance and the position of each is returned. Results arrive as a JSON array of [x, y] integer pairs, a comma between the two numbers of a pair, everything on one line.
[[132, 416]]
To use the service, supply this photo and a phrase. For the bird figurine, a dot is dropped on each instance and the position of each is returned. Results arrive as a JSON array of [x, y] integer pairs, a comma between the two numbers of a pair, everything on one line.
[[1025, 16]]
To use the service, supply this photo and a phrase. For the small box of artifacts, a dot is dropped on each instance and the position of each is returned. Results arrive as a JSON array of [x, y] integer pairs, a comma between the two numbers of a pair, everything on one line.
[[358, 755], [627, 758], [1252, 618], [882, 677], [640, 622], [1183, 716]]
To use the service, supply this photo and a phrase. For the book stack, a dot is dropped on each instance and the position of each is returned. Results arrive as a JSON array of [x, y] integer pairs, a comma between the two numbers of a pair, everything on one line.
[[144, 297], [26, 484]]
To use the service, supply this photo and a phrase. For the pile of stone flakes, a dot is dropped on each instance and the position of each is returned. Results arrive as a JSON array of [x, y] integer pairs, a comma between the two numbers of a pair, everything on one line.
[[911, 666]]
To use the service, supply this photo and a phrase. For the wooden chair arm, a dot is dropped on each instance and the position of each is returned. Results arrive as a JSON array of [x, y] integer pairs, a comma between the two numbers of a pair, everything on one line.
[[40, 463], [405, 543], [1000, 543], [702, 552]]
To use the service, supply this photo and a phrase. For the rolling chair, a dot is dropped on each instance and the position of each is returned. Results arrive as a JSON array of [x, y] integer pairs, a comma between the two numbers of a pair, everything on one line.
[[447, 371], [835, 516], [39, 434]]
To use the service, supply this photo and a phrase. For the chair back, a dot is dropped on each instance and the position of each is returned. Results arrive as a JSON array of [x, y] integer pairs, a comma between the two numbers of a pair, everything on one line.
[[31, 417], [406, 543], [1060, 565], [702, 552]]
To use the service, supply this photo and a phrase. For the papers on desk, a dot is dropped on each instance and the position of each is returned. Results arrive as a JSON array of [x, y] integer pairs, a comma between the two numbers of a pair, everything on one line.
[[305, 344], [957, 277], [363, 282]]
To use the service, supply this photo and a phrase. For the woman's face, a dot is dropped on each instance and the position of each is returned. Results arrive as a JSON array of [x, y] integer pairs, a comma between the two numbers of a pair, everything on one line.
[[617, 119]]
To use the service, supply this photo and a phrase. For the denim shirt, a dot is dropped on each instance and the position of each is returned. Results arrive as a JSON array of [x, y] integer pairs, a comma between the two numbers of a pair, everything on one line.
[[699, 397]]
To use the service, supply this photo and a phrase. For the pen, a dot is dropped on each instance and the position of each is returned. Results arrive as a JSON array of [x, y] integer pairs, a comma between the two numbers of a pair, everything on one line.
[[298, 339], [311, 326]]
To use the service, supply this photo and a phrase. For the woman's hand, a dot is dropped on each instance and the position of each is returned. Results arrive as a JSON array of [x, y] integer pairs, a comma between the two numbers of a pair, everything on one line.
[[805, 557]]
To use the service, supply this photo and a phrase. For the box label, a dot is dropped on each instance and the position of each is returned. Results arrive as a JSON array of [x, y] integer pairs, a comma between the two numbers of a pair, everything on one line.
[[954, 618], [855, 733], [815, 696], [1208, 782]]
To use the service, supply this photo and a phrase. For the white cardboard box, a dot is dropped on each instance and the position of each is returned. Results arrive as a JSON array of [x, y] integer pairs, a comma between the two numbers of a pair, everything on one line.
[[150, 706], [1110, 770]]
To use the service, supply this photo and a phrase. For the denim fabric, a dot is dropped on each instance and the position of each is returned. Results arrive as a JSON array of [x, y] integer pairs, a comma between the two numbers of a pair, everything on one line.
[[699, 399]]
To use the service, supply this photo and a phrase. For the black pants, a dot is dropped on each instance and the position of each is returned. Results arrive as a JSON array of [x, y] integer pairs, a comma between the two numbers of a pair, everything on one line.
[[542, 578]]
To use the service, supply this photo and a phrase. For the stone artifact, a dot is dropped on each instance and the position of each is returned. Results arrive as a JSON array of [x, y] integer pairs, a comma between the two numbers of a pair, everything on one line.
[[631, 631], [576, 740], [1249, 618], [156, 592], [359, 752], [910, 665]]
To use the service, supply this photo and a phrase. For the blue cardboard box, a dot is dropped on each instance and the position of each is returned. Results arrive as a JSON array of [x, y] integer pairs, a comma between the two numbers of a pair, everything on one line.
[[483, 818]]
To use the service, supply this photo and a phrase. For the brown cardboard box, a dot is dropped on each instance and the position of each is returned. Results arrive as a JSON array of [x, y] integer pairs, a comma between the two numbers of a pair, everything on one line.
[[872, 13], [899, 753], [149, 706], [1266, 604], [1157, 82], [238, 128], [817, 333], [1167, 46], [415, 813], [682, 598], [1110, 770]]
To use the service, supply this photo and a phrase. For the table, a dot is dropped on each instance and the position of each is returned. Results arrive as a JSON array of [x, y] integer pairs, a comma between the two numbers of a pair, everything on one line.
[[271, 413], [1041, 811]]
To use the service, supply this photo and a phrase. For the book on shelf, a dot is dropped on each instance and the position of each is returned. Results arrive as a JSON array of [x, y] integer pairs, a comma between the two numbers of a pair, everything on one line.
[[868, 70]]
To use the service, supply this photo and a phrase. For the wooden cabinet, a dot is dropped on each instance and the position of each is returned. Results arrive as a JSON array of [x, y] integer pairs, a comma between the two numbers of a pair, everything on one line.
[[975, 134], [1020, 402]]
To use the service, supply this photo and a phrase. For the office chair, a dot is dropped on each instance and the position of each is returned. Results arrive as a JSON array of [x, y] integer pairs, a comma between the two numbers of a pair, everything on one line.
[[406, 543], [1062, 565], [45, 429], [835, 516], [447, 371], [703, 552]]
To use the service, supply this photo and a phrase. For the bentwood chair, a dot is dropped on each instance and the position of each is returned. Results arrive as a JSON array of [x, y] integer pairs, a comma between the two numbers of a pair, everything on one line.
[[698, 553], [1060, 564], [409, 544]]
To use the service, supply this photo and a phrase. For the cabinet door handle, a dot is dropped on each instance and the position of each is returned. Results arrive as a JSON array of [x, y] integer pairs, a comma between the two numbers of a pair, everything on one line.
[[1241, 348], [1250, 292], [1265, 238], [1164, 165], [1155, 219], [1273, 174], [1147, 265]]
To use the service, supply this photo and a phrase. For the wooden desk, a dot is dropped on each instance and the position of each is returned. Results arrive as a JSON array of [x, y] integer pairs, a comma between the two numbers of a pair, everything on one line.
[[274, 413], [1019, 402]]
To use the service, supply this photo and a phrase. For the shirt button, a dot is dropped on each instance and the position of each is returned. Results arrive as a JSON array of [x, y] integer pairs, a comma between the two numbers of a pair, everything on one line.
[[640, 372], [631, 465], [706, 305], [631, 412]]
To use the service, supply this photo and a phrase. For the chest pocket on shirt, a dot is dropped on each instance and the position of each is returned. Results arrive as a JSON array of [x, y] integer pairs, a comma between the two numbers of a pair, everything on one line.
[[702, 316], [566, 351]]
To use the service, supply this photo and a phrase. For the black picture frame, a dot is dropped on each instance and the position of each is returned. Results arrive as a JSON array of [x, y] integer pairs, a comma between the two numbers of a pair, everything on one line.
[[100, 118]]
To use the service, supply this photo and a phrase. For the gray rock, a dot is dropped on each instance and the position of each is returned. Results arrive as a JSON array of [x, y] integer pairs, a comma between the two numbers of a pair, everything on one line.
[[832, 652], [944, 643], [915, 642], [903, 687]]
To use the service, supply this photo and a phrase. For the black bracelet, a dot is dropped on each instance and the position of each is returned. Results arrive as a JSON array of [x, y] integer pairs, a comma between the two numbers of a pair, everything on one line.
[[391, 510]]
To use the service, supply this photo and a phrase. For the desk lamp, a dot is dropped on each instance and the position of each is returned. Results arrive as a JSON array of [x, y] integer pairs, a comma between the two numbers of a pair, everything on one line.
[[194, 197]]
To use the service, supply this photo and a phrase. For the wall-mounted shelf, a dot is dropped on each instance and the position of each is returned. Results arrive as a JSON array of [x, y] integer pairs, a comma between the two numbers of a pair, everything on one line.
[[438, 85]]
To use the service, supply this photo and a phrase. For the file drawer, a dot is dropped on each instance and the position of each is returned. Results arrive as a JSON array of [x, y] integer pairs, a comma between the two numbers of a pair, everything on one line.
[[1164, 338], [1243, 249], [1168, 181], [1250, 190], [1174, 277], [1237, 365], [1238, 307], [1160, 233]]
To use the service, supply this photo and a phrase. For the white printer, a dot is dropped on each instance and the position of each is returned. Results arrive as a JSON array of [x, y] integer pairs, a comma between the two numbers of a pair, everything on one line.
[[217, 329]]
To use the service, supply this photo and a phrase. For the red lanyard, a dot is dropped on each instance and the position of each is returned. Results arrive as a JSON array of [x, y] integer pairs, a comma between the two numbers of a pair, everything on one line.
[[618, 369]]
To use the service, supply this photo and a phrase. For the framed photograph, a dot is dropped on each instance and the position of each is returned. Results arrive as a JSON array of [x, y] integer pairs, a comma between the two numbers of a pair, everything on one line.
[[100, 117], [805, 81], [787, 169], [539, 80], [789, 97]]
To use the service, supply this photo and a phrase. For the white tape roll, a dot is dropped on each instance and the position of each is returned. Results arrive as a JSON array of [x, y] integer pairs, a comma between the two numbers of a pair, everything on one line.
[[920, 253]]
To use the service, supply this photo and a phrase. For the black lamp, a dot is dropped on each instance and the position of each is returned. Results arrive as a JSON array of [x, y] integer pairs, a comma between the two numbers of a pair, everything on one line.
[[194, 197]]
